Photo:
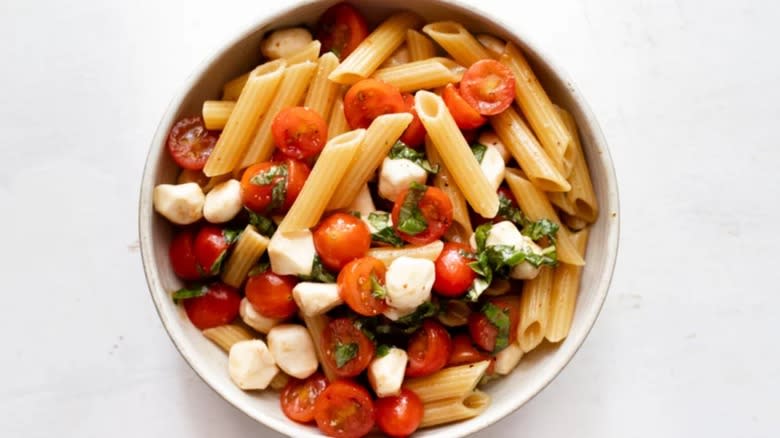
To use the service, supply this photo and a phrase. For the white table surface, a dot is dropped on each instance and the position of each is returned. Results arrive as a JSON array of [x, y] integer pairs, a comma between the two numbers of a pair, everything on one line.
[[687, 93]]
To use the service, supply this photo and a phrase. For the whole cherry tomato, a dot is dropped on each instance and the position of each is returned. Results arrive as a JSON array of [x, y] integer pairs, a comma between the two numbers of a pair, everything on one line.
[[453, 274], [341, 238], [211, 246], [182, 255], [369, 99], [218, 305], [400, 415], [299, 132], [429, 349], [271, 294]]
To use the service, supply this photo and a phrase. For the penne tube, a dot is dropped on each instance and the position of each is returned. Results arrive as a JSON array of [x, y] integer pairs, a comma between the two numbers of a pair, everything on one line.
[[492, 44], [461, 229], [421, 75], [428, 251], [450, 410], [326, 175], [232, 89], [563, 296], [573, 222], [375, 49], [400, 56], [216, 112], [316, 325], [450, 382], [322, 92], [536, 206], [456, 154], [457, 41], [534, 309], [524, 147], [562, 201], [420, 46], [581, 194], [381, 135], [227, 335], [250, 246], [337, 123], [310, 53], [215, 181]]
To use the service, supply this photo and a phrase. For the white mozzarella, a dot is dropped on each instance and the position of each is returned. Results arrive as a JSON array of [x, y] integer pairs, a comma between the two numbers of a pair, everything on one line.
[[293, 350], [386, 373], [489, 138], [363, 203], [397, 175], [394, 314], [493, 45], [283, 43], [525, 270], [181, 204], [400, 56], [292, 253], [506, 233], [493, 167], [251, 365], [316, 298], [254, 319], [223, 202], [409, 281], [508, 358]]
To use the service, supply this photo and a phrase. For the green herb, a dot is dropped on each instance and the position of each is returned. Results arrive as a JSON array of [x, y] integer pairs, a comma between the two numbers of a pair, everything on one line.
[[410, 219], [356, 214], [479, 285], [345, 353], [401, 150], [377, 290], [263, 224], [185, 293], [424, 310], [382, 350], [385, 233], [231, 235], [318, 273], [267, 176], [217, 265], [541, 228], [478, 150], [508, 211], [500, 320], [259, 268], [364, 325], [279, 190]]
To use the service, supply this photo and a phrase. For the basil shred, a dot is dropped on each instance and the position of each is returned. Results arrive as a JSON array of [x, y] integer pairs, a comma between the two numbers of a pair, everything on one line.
[[479, 149], [385, 233], [279, 190], [500, 320], [263, 224], [318, 273], [344, 353], [401, 150], [185, 293], [410, 218]]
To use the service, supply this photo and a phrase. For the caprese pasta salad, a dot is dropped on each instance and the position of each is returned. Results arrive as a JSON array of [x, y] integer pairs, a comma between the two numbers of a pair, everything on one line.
[[377, 221]]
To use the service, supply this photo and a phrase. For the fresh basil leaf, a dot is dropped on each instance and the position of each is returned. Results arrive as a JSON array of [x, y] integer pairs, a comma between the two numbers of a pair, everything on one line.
[[364, 325], [259, 268], [185, 293], [479, 149], [344, 353], [263, 224], [385, 233], [541, 228], [424, 310], [510, 212], [479, 285], [481, 235], [217, 265], [500, 320], [267, 176], [278, 194], [410, 219], [318, 273], [379, 219], [382, 350], [231, 235], [377, 290], [402, 151]]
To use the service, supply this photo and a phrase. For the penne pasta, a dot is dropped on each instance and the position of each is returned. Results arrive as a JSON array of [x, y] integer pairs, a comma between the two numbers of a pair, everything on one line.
[[380, 136], [563, 296], [420, 46], [250, 246], [400, 56], [418, 75], [375, 49], [428, 251], [457, 41], [456, 154], [322, 92], [310, 53], [216, 112], [492, 44], [561, 200], [215, 181], [227, 335], [581, 195], [451, 382], [534, 309], [461, 229], [447, 411], [316, 325], [252, 104], [326, 175], [573, 222], [337, 123]]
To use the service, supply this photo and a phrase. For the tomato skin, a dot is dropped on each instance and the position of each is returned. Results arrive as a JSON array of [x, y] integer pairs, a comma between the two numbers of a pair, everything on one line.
[[299, 132], [343, 331], [210, 248], [429, 349], [341, 238], [344, 410], [217, 307], [299, 397], [355, 285], [341, 29], [271, 294], [466, 117], [484, 333], [182, 254], [190, 143], [400, 415], [370, 98], [436, 207], [414, 135], [259, 198], [464, 351], [453, 273], [488, 86]]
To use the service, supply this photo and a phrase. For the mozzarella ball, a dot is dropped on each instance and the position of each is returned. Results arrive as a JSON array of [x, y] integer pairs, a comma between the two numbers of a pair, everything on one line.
[[397, 175], [400, 56], [223, 202], [254, 319], [493, 167], [386, 373], [293, 350], [292, 253], [409, 281], [489, 138], [181, 204], [283, 43], [251, 365], [316, 298]]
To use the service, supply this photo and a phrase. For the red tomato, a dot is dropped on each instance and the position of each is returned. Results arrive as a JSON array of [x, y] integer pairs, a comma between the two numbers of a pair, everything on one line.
[[299, 132], [190, 143], [341, 29], [436, 208], [484, 333], [429, 349], [355, 285], [211, 246], [414, 135], [466, 117], [344, 410], [400, 415], [346, 345], [299, 396], [259, 197], [488, 86], [182, 254], [453, 273], [369, 99], [464, 351], [341, 238], [271, 294], [217, 307]]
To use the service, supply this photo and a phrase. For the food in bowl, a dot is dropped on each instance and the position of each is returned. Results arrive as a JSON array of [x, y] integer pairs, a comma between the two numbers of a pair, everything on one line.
[[376, 222]]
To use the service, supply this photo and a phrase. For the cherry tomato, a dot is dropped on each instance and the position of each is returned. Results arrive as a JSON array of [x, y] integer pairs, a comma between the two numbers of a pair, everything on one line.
[[453, 273], [369, 99], [429, 349], [182, 255], [271, 294], [190, 143], [464, 351], [298, 397], [355, 285], [341, 238], [488, 86], [341, 29], [299, 132], [484, 333], [466, 117], [400, 415], [211, 246], [218, 306], [414, 135], [344, 410], [258, 195], [436, 208], [346, 345]]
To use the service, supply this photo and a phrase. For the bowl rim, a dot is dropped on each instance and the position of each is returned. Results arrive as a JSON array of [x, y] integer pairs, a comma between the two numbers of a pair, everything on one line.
[[146, 211]]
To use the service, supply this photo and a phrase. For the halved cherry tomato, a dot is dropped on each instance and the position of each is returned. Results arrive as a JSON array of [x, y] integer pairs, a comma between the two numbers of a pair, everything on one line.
[[488, 86], [346, 345], [453, 273], [182, 255], [466, 117], [369, 99], [273, 186], [400, 415], [211, 246], [429, 349], [485, 333], [299, 396], [435, 207], [341, 29], [355, 286], [414, 135], [341, 238], [190, 143], [218, 306], [299, 132], [271, 294], [464, 352], [344, 410]]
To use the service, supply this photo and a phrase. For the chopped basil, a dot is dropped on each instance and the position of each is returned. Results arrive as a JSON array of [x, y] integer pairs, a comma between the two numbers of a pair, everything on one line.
[[500, 320], [479, 285], [479, 149], [279, 190], [424, 310], [231, 235], [410, 219], [382, 350], [377, 290], [259, 268], [267, 176], [508, 211], [385, 233], [217, 265], [401, 150], [318, 273], [541, 228], [344, 353], [264, 225], [185, 293]]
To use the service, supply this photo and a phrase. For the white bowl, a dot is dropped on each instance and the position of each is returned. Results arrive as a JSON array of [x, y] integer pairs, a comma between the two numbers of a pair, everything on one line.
[[535, 371]]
